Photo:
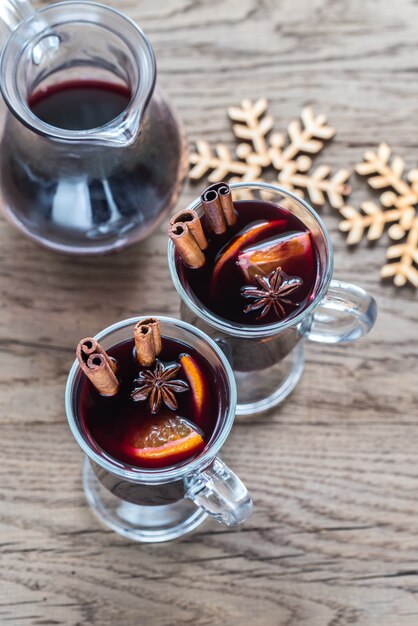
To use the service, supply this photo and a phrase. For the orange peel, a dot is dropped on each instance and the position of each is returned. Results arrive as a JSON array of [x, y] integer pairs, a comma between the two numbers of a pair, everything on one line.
[[263, 258], [245, 237], [165, 440], [197, 384]]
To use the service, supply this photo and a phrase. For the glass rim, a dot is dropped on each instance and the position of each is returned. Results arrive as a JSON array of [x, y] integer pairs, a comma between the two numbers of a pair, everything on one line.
[[163, 475], [246, 330], [142, 53]]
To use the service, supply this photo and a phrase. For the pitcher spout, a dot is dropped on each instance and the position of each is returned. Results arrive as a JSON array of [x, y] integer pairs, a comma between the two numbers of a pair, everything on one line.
[[124, 130], [121, 132]]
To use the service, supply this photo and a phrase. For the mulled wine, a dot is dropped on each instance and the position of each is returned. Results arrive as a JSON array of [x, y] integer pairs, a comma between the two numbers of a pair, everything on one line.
[[159, 415], [252, 264], [262, 269], [107, 191], [151, 406], [89, 195], [79, 105]]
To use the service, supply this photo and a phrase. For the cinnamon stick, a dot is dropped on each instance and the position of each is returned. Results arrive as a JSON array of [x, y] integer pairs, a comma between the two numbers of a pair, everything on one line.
[[227, 203], [186, 245], [147, 341], [89, 345], [98, 370], [213, 210], [156, 334], [101, 375], [192, 221]]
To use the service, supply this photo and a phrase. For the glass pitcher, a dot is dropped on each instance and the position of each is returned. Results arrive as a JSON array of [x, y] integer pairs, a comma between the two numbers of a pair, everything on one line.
[[92, 156]]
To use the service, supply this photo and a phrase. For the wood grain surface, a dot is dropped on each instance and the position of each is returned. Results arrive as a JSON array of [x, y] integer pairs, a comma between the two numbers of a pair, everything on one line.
[[333, 540]]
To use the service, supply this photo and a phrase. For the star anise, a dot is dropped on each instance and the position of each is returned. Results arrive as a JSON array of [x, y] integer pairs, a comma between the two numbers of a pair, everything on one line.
[[271, 293], [159, 386]]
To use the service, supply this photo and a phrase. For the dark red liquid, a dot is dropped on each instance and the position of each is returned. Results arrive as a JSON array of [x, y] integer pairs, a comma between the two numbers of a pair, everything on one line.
[[221, 291], [106, 190], [86, 194], [80, 105], [110, 423]]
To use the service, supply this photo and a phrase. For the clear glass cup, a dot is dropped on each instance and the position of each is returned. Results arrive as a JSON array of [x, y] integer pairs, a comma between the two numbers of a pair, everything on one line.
[[268, 360], [154, 505], [96, 190]]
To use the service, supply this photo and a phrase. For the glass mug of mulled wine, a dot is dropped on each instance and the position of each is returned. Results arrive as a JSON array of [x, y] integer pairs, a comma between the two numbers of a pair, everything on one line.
[[151, 402], [252, 264], [92, 155]]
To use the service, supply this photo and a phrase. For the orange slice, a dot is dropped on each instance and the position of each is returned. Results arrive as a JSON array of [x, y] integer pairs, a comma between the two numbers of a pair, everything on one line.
[[197, 384], [281, 251], [164, 440], [249, 234]]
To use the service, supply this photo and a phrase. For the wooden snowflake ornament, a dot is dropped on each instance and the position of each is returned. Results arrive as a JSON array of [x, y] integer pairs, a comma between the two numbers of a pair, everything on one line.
[[287, 153], [397, 208], [290, 155]]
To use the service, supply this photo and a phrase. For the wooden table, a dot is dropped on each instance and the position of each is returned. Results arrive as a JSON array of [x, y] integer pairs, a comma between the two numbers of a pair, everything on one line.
[[334, 535]]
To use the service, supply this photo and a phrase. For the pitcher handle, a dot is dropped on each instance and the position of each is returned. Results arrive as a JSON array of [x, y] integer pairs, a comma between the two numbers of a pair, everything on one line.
[[345, 314], [219, 492], [12, 12]]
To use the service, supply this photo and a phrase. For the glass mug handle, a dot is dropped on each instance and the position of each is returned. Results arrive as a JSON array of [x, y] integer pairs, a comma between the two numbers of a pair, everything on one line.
[[219, 492], [345, 314]]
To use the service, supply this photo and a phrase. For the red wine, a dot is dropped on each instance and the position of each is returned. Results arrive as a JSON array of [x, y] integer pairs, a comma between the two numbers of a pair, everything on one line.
[[115, 426], [77, 105], [267, 247], [87, 194]]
